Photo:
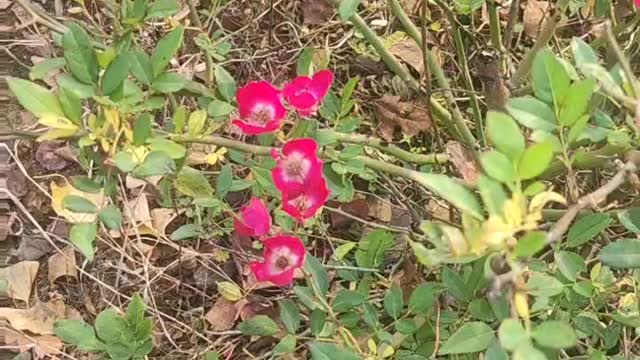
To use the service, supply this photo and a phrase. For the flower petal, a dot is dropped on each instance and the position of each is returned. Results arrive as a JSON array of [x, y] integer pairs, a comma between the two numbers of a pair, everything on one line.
[[320, 84], [259, 96], [291, 243]]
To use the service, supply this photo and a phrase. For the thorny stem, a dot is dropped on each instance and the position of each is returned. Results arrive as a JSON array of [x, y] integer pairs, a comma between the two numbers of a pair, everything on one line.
[[456, 125], [543, 38], [193, 11], [624, 63]]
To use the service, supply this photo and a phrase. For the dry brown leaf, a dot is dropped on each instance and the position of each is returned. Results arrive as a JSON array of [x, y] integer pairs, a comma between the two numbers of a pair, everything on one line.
[[17, 183], [32, 247], [132, 183], [63, 264], [42, 345], [316, 12], [47, 156], [58, 193], [39, 319], [136, 213], [534, 17], [438, 211], [20, 278], [162, 217], [224, 313], [380, 209], [392, 113], [409, 51], [4, 4], [357, 207], [463, 161]]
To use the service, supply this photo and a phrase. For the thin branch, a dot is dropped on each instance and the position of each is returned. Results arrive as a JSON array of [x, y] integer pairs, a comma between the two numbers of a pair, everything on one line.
[[514, 11], [494, 26], [590, 200], [624, 62], [193, 11]]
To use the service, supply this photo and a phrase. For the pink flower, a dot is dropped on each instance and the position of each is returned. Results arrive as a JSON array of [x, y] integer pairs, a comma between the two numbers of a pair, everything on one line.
[[260, 107], [306, 202], [254, 219], [297, 164], [305, 94], [282, 256]]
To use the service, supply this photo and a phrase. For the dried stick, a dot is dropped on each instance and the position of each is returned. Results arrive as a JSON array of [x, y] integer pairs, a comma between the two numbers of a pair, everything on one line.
[[589, 201]]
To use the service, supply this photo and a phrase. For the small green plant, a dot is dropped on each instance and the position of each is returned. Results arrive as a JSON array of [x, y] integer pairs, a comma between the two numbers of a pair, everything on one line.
[[126, 336]]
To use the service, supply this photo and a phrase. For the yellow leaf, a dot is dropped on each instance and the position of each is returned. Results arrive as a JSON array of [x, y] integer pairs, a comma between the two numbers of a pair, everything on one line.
[[56, 122], [371, 344], [386, 351], [514, 210], [139, 154], [496, 232], [521, 304], [58, 193], [57, 134], [220, 256], [229, 290], [112, 117], [539, 201], [457, 242]]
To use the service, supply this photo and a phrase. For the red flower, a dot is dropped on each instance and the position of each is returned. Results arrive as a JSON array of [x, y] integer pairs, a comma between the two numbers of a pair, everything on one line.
[[305, 94], [254, 219], [282, 256], [297, 165], [306, 202], [260, 107]]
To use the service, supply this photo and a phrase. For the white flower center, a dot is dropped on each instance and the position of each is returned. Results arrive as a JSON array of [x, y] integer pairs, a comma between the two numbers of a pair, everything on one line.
[[284, 260], [262, 113], [296, 167]]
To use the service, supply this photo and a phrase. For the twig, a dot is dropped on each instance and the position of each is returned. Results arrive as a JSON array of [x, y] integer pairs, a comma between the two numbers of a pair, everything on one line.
[[368, 223], [193, 11], [426, 80], [514, 11], [589, 201], [624, 62]]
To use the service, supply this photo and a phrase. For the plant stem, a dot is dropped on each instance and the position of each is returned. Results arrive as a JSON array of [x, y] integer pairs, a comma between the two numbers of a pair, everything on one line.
[[207, 57], [587, 160], [494, 26], [543, 38], [456, 120], [228, 143], [624, 62]]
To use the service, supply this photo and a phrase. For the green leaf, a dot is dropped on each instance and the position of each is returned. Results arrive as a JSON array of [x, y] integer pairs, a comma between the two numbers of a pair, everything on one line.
[[530, 244], [166, 49], [289, 315], [583, 53], [163, 9], [452, 191], [318, 277], [623, 253], [505, 134], [422, 298], [286, 346], [43, 68], [630, 219], [115, 74], [348, 8], [79, 89], [197, 121], [71, 105], [259, 325], [498, 166], [305, 295], [492, 193], [318, 319], [111, 327], [34, 98], [586, 228], [224, 181], [174, 150], [393, 303], [219, 108], [85, 184], [495, 351], [168, 83], [454, 284], [193, 183], [329, 351], [511, 334], [79, 204], [342, 250], [141, 67], [550, 78], [535, 160], [532, 113], [79, 54], [578, 129], [83, 236], [142, 129], [211, 355], [570, 264], [186, 231], [576, 102], [469, 338], [124, 161], [541, 285], [179, 119], [156, 163], [346, 300], [135, 309], [111, 217], [225, 82], [526, 351], [304, 65], [78, 333], [372, 248], [555, 334]]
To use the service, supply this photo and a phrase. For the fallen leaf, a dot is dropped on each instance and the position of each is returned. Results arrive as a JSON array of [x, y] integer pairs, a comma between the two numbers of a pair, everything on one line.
[[534, 17], [392, 113], [63, 264], [224, 313], [19, 279], [132, 183], [32, 247], [4, 4], [409, 51], [380, 209], [58, 193], [43, 345], [316, 12], [39, 318], [47, 156], [438, 211], [410, 6], [357, 207], [16, 181], [463, 161], [136, 213], [162, 217]]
